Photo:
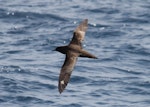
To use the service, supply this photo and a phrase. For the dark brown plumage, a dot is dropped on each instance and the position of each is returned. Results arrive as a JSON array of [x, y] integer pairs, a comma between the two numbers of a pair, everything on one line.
[[72, 51]]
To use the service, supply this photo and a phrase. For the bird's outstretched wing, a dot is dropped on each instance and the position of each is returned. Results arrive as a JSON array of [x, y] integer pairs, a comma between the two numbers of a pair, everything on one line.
[[79, 33], [67, 69]]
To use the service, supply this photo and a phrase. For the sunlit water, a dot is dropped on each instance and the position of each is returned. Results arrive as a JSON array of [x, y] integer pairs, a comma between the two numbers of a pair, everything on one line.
[[118, 34]]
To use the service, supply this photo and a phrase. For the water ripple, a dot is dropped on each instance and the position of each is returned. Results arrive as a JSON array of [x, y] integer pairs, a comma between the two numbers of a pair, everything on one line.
[[118, 34]]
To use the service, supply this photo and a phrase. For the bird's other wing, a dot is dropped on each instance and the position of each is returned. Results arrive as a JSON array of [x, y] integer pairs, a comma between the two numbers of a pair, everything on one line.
[[66, 70], [79, 33]]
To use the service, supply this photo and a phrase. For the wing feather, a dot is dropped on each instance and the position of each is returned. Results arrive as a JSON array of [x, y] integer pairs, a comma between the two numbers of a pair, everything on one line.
[[79, 33], [66, 70]]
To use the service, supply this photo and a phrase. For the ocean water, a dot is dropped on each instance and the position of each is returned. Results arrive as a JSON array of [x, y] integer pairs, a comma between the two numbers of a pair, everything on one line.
[[118, 34]]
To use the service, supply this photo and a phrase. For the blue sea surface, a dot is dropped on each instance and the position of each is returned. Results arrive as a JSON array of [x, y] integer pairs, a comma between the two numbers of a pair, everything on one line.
[[118, 34]]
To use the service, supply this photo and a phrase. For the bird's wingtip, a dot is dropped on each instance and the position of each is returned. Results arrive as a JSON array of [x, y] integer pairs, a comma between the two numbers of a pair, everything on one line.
[[86, 19], [60, 92], [96, 57]]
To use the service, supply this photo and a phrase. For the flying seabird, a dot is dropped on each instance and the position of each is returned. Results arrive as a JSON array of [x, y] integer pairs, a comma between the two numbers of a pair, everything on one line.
[[72, 52]]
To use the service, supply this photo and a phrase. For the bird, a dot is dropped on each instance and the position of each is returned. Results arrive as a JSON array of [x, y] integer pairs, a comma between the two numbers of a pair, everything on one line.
[[72, 51]]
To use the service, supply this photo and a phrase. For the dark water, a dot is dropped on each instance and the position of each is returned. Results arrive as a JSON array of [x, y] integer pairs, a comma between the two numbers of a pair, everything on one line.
[[118, 33]]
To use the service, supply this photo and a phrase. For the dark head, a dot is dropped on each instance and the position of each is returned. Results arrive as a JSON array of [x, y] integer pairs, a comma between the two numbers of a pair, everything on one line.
[[62, 49], [56, 49]]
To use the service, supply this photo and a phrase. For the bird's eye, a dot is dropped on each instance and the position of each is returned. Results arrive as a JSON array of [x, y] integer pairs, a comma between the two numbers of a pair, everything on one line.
[[75, 33]]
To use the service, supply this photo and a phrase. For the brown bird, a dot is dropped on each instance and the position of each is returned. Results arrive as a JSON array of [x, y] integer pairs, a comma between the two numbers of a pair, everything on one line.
[[72, 51]]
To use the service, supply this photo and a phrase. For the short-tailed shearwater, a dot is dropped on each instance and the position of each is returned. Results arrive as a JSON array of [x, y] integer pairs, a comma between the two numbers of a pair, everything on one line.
[[72, 52]]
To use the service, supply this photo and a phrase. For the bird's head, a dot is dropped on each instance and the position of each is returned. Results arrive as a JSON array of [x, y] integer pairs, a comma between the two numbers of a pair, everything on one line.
[[61, 49], [57, 49]]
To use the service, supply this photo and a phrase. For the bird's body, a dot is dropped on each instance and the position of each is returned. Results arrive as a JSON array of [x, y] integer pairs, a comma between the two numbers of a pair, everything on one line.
[[82, 53], [72, 52]]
